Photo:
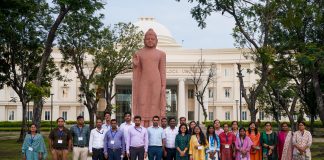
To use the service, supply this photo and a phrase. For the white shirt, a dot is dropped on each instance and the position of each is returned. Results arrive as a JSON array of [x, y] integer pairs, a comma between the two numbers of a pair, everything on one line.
[[97, 138], [106, 126], [170, 136], [124, 128]]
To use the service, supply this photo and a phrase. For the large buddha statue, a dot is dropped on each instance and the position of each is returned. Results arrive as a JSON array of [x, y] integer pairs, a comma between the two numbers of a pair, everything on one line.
[[149, 80]]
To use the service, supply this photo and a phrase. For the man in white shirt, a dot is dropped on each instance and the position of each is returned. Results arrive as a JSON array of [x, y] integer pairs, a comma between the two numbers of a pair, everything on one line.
[[125, 126], [170, 134], [96, 142], [106, 124]]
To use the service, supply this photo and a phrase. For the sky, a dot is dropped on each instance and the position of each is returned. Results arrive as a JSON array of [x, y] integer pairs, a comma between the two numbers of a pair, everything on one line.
[[177, 18]]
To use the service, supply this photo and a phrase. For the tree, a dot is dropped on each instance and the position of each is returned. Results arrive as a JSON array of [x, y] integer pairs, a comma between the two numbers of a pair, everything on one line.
[[201, 76], [298, 39], [82, 40], [123, 41], [21, 49], [252, 29], [61, 9]]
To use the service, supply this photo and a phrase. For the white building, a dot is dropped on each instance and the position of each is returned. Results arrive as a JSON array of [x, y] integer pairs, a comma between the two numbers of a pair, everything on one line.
[[222, 95]]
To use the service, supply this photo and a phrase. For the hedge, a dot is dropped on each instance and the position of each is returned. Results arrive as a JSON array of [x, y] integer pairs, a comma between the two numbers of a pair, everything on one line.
[[43, 123], [317, 124]]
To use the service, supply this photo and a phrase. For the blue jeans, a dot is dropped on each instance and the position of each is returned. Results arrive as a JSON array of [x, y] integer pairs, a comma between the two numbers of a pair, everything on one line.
[[155, 151], [114, 154]]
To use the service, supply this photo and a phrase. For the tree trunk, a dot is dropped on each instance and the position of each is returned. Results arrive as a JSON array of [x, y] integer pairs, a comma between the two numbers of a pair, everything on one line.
[[37, 113], [37, 109], [318, 95], [24, 127], [91, 116], [292, 123], [253, 113], [312, 124]]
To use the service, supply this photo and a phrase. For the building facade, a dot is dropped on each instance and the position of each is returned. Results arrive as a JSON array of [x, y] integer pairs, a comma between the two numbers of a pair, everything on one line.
[[221, 97]]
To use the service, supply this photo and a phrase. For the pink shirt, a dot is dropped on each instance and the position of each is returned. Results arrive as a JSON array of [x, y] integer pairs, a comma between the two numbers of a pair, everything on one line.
[[137, 137]]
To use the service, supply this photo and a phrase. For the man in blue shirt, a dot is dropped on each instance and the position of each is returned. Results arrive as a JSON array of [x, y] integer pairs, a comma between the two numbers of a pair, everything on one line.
[[114, 143], [156, 138], [80, 134]]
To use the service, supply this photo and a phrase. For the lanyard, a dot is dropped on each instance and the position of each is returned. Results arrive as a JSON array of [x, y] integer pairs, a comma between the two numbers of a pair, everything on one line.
[[113, 135], [226, 137], [211, 141], [99, 131], [138, 130], [241, 142], [199, 141], [32, 139], [80, 130], [60, 134]]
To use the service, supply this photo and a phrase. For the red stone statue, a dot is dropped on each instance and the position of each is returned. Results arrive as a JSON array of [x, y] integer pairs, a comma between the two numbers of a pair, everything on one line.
[[149, 80]]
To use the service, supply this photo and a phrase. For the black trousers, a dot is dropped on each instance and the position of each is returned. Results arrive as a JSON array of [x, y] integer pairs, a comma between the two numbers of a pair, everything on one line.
[[137, 152], [97, 154], [171, 153]]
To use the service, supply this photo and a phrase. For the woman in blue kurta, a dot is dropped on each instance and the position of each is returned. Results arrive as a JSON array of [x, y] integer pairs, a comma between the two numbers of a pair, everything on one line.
[[34, 146]]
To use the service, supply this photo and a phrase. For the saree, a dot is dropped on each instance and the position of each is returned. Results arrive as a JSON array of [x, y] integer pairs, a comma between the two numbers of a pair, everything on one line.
[[285, 145], [270, 140], [302, 140], [255, 138], [243, 145], [227, 148], [32, 146]]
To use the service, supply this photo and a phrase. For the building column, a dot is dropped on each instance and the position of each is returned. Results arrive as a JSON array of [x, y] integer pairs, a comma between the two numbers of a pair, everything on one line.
[[56, 112], [113, 101], [3, 112], [72, 113], [18, 116], [181, 98]]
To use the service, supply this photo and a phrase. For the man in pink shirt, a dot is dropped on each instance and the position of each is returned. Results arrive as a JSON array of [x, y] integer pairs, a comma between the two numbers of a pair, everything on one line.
[[137, 141]]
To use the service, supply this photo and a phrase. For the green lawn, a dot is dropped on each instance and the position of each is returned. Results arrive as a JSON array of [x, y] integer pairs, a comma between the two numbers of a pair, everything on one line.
[[11, 150]]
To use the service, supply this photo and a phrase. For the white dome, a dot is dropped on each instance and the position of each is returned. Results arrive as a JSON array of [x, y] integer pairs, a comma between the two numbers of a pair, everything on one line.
[[164, 36]]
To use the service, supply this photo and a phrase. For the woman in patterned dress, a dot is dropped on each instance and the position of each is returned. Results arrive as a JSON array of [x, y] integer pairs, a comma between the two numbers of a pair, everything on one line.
[[182, 143], [302, 141]]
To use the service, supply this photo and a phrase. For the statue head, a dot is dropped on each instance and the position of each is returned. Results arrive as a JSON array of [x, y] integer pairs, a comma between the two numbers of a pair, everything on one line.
[[150, 39]]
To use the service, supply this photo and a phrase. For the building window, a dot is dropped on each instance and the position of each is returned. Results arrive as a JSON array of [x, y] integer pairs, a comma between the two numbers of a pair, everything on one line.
[[211, 92], [82, 113], [227, 92], [191, 93], [227, 115], [244, 116], [295, 117], [64, 115], [211, 115], [11, 115], [30, 115], [261, 115], [47, 115], [191, 115]]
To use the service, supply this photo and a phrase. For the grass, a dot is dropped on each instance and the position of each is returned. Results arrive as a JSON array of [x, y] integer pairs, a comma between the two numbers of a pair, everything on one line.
[[11, 150]]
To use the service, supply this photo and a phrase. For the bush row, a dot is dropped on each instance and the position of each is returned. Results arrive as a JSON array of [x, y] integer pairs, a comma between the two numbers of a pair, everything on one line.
[[43, 123], [317, 124]]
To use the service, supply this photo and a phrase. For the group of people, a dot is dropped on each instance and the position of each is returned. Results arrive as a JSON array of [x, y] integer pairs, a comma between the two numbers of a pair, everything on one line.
[[167, 141]]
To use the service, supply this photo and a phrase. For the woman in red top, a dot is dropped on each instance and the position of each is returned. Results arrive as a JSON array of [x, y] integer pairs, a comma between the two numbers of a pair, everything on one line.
[[227, 140]]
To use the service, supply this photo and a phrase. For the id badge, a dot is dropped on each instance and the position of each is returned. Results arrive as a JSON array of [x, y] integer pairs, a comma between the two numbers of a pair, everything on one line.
[[30, 148], [80, 138], [60, 141], [112, 142], [227, 146], [200, 147]]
